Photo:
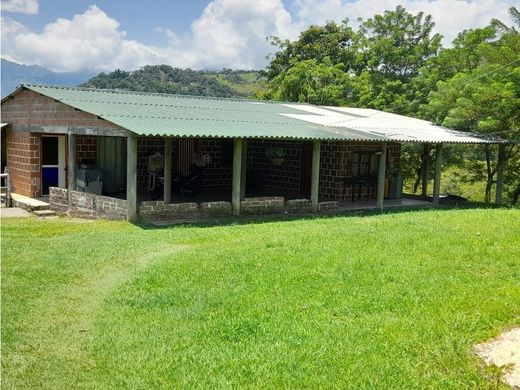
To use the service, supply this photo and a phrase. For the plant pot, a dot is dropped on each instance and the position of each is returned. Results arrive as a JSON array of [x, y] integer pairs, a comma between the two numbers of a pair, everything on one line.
[[277, 160]]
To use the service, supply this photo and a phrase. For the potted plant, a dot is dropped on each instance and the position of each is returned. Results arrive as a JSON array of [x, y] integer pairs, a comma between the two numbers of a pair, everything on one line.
[[276, 154]]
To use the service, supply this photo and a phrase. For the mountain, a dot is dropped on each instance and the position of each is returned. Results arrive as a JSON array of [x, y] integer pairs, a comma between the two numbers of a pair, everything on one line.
[[14, 74], [166, 79]]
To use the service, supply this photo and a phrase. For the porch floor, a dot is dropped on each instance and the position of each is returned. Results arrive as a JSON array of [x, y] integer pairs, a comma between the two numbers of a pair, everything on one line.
[[388, 204]]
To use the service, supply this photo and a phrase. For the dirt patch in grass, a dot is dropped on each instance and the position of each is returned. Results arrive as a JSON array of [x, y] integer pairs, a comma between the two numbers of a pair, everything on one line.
[[504, 352]]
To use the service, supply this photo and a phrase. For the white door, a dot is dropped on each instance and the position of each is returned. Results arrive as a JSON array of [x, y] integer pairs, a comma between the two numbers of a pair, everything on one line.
[[53, 162]]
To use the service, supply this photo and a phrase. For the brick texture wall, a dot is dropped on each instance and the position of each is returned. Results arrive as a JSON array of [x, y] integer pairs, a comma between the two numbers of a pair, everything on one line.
[[23, 147], [86, 148], [218, 175], [336, 163], [30, 108], [23, 160], [282, 179]]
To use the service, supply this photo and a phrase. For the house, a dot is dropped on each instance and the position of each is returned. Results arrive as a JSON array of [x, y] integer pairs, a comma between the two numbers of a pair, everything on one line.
[[103, 152]]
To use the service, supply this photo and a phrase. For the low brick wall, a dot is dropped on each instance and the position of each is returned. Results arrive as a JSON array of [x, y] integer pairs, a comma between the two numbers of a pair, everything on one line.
[[85, 205], [262, 205], [328, 206], [157, 210], [215, 209], [298, 206]]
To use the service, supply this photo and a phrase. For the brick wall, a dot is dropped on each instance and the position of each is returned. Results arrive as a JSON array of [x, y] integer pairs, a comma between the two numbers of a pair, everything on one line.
[[23, 147], [86, 148], [30, 108], [23, 160], [85, 205], [218, 175], [336, 163], [284, 178]]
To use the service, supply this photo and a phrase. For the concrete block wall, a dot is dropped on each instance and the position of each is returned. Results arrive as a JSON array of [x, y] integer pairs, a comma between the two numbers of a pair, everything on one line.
[[85, 205]]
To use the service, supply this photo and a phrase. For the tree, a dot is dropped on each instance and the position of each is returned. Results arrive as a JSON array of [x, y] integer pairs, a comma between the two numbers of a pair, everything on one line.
[[311, 82], [484, 99], [381, 59]]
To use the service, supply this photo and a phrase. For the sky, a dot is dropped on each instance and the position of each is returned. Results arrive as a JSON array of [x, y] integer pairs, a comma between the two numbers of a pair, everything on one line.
[[102, 35]]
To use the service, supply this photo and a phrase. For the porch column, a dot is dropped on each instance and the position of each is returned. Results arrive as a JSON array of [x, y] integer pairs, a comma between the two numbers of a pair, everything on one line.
[[315, 178], [131, 178], [243, 171], [437, 179], [237, 176], [167, 196], [381, 173], [500, 173], [71, 166], [425, 169]]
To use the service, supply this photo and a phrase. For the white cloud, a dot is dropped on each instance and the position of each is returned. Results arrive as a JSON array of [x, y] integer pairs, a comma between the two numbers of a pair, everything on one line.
[[228, 33], [21, 6], [91, 41], [232, 33]]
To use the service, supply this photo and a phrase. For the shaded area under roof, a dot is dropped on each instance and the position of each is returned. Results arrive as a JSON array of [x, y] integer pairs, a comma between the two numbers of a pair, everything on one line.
[[154, 114]]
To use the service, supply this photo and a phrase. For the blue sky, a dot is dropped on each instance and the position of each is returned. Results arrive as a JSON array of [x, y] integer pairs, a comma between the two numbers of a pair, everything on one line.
[[101, 35]]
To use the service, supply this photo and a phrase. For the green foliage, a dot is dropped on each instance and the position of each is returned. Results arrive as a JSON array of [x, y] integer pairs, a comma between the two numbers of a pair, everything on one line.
[[370, 67], [274, 152], [165, 79], [388, 301], [311, 82]]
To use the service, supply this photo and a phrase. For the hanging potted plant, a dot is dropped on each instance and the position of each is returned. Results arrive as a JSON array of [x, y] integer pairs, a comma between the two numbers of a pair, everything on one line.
[[276, 154]]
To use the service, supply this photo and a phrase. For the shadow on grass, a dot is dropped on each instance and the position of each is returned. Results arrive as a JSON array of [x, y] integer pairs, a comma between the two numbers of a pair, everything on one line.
[[289, 217]]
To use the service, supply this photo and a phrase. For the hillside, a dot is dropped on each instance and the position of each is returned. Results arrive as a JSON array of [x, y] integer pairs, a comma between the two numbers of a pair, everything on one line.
[[14, 74], [166, 79]]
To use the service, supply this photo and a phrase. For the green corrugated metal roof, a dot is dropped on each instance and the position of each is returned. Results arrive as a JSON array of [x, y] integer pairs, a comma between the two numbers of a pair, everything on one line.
[[155, 114]]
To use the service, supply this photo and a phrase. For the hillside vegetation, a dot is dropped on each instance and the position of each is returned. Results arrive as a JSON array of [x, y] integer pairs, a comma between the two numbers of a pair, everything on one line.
[[166, 79]]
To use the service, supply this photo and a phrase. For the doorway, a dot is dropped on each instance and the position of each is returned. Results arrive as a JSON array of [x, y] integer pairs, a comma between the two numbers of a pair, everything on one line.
[[53, 162]]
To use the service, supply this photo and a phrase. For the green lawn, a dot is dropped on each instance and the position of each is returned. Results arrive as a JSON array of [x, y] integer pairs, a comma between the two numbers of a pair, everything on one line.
[[388, 301]]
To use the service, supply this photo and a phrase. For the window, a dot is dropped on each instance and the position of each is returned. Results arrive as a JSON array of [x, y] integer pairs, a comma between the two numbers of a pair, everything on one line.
[[364, 164]]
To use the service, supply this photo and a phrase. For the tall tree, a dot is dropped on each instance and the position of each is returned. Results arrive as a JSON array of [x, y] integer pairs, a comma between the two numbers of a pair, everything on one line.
[[484, 98]]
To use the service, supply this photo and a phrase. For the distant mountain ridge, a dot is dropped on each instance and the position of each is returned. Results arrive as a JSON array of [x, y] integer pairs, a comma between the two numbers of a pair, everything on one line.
[[149, 78], [14, 74], [166, 79]]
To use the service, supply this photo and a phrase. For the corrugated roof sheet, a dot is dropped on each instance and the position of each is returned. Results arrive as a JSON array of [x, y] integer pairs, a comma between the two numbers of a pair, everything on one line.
[[154, 114]]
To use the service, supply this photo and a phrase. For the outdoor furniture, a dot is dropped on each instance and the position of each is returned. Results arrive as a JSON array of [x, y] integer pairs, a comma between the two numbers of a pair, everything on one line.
[[358, 184]]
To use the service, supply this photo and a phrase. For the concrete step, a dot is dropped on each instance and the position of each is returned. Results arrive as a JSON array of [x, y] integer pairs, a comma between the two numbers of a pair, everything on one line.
[[44, 213], [29, 204]]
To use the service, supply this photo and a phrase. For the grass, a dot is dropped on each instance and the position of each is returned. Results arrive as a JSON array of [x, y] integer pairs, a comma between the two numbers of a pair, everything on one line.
[[388, 301]]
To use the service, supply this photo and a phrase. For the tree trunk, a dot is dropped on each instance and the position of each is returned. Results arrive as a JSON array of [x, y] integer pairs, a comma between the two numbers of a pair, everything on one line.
[[490, 173]]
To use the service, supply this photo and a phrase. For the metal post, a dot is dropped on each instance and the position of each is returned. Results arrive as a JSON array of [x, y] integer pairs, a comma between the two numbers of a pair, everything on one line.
[[167, 196], [237, 176], [381, 174], [500, 173], [315, 178], [131, 178], [244, 171], [425, 169], [71, 166], [437, 179]]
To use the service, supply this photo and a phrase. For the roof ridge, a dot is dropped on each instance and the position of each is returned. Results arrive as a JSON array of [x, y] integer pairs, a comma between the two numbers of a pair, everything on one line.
[[162, 94]]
